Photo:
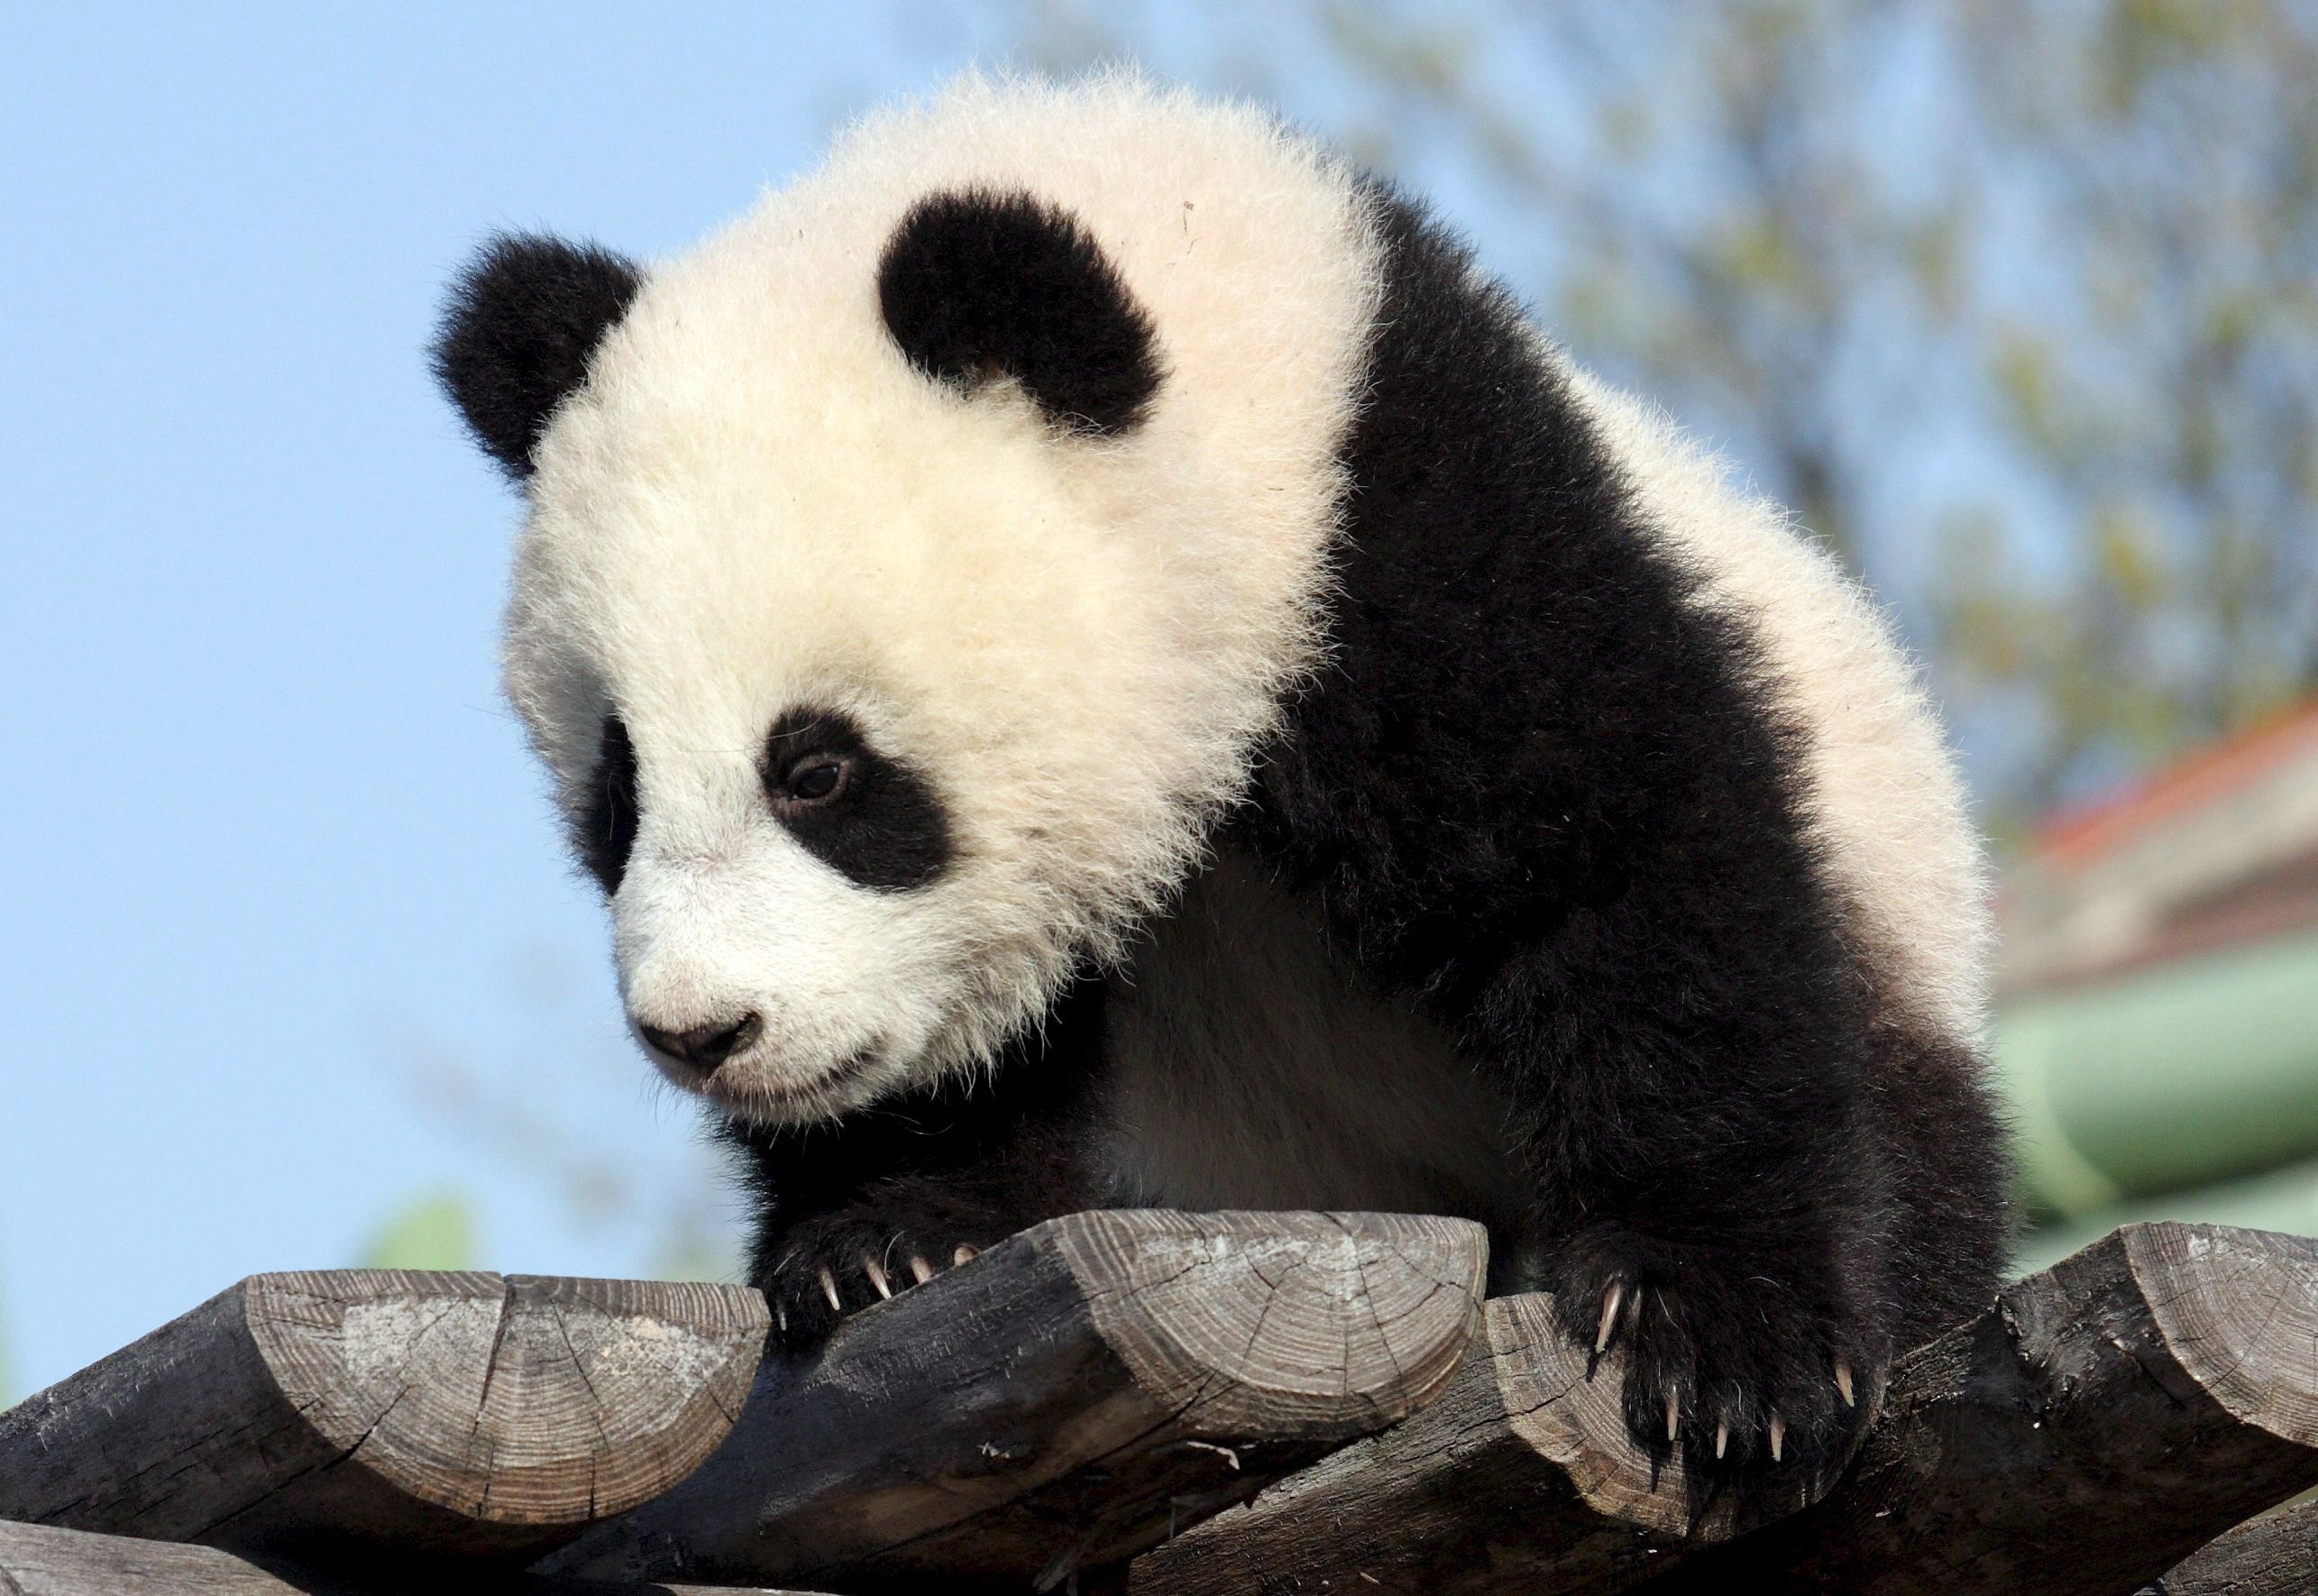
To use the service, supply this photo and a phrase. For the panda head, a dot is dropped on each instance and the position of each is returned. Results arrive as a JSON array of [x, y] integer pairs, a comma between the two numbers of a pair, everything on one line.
[[871, 699]]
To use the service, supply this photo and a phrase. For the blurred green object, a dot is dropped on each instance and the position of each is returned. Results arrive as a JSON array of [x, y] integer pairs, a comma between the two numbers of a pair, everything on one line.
[[2167, 1079], [694, 1256], [434, 1231], [2279, 1200]]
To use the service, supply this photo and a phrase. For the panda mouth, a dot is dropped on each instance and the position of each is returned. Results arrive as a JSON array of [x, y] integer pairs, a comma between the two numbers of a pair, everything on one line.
[[815, 1093]]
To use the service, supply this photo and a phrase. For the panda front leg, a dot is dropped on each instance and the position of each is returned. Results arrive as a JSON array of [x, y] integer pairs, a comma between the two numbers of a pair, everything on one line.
[[817, 1266], [1715, 1219], [1742, 1343], [852, 1213]]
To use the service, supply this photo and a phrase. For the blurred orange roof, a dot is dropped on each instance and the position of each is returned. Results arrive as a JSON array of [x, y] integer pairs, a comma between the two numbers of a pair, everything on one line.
[[2083, 834], [2217, 850]]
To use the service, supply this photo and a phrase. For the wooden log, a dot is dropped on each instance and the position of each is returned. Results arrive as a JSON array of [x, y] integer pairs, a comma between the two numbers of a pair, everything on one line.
[[1522, 1478], [1066, 1398], [2096, 1425], [2276, 1555], [458, 1412], [41, 1560]]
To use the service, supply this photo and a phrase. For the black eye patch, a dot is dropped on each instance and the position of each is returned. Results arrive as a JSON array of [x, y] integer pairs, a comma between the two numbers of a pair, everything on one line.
[[874, 819], [603, 828]]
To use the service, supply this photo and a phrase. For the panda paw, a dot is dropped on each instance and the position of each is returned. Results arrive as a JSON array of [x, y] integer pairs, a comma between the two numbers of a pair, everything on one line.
[[1748, 1371], [827, 1268]]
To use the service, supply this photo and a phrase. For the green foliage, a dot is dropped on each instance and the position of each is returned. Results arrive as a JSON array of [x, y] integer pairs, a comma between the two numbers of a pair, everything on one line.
[[692, 1253], [436, 1231]]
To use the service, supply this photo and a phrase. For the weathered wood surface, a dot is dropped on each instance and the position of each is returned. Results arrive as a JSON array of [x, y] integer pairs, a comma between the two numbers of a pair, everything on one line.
[[1066, 1398], [2097, 1424], [461, 1413], [2276, 1555], [41, 1560], [1521, 1479]]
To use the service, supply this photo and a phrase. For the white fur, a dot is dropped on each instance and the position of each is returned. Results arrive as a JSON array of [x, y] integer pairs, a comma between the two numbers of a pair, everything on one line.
[[1887, 803], [755, 503]]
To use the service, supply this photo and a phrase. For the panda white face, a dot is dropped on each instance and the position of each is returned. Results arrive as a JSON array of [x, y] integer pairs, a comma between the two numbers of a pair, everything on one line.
[[912, 570], [842, 744], [869, 708], [745, 922]]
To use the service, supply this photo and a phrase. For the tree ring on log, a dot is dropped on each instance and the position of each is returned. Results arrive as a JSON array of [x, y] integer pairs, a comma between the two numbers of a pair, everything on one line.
[[509, 1399], [1240, 1319]]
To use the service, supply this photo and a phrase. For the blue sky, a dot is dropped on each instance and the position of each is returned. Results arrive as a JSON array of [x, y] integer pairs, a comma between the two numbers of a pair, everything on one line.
[[287, 943], [272, 849], [287, 940]]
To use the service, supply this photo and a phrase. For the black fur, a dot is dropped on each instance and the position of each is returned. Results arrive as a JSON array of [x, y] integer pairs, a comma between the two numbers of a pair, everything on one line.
[[920, 1176], [1614, 902], [883, 828], [603, 831], [1543, 796], [975, 285], [524, 320]]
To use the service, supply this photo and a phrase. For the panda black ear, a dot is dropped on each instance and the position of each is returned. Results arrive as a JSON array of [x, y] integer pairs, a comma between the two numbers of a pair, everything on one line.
[[521, 323], [974, 285]]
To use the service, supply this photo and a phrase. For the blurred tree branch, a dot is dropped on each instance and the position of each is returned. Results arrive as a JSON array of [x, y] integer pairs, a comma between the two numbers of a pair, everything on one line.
[[2014, 301]]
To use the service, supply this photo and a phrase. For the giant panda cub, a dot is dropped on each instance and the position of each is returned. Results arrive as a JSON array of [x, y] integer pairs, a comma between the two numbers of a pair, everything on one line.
[[1100, 660]]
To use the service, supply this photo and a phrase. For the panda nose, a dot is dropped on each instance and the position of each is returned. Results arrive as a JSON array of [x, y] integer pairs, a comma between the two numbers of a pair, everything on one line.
[[704, 1047]]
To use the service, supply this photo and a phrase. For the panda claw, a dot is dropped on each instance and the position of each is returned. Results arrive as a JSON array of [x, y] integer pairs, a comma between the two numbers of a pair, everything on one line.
[[1778, 1436], [921, 1269], [1843, 1382], [1673, 1417], [965, 1253], [829, 1289], [877, 1277], [1721, 1438], [1610, 1301]]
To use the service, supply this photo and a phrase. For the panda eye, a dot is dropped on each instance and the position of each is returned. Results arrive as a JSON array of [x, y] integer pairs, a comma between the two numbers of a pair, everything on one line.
[[817, 779]]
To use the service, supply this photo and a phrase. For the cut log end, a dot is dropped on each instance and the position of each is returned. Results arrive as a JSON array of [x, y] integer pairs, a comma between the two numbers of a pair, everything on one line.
[[2237, 1310], [521, 1400], [41, 1560], [2276, 1555], [1290, 1323], [451, 1412]]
